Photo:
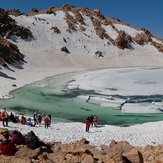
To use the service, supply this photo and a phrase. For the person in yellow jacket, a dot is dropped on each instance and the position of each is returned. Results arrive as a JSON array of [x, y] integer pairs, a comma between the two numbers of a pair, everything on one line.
[[5, 118]]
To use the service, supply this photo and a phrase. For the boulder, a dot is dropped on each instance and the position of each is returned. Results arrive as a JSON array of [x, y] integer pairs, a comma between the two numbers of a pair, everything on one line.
[[28, 153], [13, 159], [87, 158], [133, 155], [64, 49]]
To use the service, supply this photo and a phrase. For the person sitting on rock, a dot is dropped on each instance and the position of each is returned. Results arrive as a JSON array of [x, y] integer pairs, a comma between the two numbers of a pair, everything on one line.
[[32, 140], [18, 138], [7, 147]]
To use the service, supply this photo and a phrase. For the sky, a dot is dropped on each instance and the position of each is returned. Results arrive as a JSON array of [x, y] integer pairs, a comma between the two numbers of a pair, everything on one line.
[[137, 13]]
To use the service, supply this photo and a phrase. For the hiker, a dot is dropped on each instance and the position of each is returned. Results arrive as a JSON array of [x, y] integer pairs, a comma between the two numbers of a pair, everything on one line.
[[5, 118], [35, 118], [50, 118], [46, 121], [12, 118], [17, 120], [39, 119], [23, 120], [33, 142], [87, 124], [91, 120], [95, 119], [29, 122], [7, 147], [0, 116], [17, 137]]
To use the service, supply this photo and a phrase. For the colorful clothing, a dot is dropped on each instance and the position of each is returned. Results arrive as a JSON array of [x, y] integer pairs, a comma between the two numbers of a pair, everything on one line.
[[46, 122], [18, 138], [5, 118], [87, 123], [7, 148]]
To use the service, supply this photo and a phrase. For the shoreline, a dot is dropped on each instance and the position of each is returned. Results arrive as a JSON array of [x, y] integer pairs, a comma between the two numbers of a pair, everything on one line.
[[137, 135]]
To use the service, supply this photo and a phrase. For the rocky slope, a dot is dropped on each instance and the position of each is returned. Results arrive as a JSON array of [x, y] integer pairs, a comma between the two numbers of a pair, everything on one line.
[[9, 52], [82, 152], [70, 30]]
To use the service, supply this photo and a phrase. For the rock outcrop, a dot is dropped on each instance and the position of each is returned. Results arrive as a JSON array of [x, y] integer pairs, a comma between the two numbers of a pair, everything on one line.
[[76, 23], [8, 26], [82, 151], [143, 38], [64, 49], [9, 52], [123, 40], [158, 46]]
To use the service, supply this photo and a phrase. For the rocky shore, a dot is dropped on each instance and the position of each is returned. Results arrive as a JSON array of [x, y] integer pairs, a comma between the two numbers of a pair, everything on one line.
[[82, 151]]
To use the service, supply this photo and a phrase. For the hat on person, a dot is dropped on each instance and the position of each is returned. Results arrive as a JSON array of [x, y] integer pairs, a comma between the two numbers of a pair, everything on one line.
[[15, 132], [6, 135]]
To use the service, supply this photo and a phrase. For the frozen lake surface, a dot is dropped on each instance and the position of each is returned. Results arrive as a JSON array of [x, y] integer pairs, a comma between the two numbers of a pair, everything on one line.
[[120, 97]]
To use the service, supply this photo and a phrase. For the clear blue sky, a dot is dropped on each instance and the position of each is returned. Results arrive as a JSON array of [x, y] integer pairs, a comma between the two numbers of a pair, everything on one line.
[[137, 13]]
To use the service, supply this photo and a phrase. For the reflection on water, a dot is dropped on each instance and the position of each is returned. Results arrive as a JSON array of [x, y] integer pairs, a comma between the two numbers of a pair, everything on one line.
[[49, 96]]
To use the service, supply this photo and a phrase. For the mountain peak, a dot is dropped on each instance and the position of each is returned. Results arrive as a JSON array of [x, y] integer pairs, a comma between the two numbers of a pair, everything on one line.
[[71, 30]]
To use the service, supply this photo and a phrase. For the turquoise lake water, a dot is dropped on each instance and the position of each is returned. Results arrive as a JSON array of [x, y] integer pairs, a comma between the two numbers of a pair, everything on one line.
[[49, 96]]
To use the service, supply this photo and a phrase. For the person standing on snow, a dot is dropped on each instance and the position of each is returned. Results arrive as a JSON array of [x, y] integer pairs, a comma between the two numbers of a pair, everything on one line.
[[39, 119], [35, 118], [87, 124], [91, 120], [5, 118], [95, 119], [46, 121]]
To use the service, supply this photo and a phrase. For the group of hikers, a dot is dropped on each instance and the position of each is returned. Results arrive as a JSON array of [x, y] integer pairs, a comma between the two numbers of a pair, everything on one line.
[[37, 119], [91, 121], [8, 145]]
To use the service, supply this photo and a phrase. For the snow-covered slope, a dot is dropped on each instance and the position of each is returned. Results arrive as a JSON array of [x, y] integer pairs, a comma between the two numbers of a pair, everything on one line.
[[92, 41], [82, 44]]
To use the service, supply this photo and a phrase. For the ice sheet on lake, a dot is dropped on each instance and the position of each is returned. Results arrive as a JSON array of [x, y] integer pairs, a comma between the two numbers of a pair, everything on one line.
[[102, 101], [141, 108], [121, 82], [125, 82]]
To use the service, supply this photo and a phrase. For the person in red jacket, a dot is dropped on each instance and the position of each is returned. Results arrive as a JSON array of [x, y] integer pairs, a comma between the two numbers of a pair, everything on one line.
[[0, 116], [18, 138], [46, 121], [87, 123], [7, 147]]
